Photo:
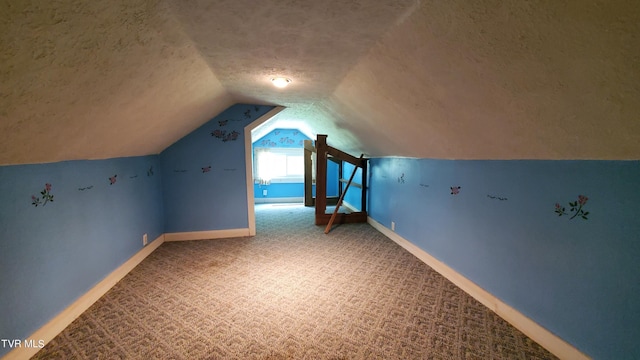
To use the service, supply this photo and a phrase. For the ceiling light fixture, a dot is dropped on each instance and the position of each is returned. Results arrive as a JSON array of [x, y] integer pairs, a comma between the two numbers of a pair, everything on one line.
[[280, 82]]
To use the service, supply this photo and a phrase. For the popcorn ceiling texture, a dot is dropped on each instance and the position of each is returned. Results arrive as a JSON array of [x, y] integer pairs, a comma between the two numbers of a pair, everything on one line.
[[502, 80], [455, 79], [98, 80]]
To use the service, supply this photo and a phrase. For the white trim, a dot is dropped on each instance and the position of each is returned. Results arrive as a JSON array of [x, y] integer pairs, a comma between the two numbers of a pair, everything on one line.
[[537, 333], [349, 206], [206, 235], [284, 180], [248, 160], [299, 200], [51, 329]]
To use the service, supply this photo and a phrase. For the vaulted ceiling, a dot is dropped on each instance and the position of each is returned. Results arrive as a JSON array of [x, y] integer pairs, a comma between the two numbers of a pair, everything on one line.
[[457, 79]]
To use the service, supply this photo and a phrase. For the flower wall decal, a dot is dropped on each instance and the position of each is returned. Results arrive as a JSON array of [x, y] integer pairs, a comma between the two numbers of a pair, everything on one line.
[[268, 142], [45, 196], [224, 135], [455, 190], [287, 140], [575, 208]]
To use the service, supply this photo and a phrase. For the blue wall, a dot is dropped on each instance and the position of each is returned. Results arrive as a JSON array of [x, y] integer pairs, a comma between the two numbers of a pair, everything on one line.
[[203, 174], [279, 190], [53, 253], [332, 179], [578, 278], [353, 196]]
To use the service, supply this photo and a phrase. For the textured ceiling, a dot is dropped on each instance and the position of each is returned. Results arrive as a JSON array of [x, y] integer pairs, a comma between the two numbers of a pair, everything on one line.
[[455, 79], [90, 79], [501, 80]]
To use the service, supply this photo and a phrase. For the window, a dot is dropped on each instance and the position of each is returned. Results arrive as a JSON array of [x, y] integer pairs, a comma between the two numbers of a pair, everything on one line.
[[279, 164]]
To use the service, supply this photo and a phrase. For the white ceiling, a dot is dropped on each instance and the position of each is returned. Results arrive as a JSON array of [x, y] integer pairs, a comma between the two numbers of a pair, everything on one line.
[[439, 79]]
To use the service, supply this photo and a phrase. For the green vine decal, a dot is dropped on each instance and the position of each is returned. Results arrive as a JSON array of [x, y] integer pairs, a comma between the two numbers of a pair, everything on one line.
[[575, 208], [46, 196]]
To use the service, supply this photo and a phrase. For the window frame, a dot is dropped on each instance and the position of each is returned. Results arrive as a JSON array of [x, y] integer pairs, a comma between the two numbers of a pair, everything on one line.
[[287, 152]]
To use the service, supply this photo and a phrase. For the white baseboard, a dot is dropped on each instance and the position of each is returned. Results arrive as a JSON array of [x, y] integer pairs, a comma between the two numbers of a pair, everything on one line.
[[206, 235], [55, 326], [73, 311], [537, 333], [279, 200]]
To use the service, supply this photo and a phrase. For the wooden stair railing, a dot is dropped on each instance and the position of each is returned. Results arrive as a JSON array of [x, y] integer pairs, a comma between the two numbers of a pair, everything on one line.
[[335, 212], [326, 153]]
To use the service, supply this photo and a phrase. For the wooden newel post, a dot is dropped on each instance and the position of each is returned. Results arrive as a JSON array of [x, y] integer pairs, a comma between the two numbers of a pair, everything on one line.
[[321, 174]]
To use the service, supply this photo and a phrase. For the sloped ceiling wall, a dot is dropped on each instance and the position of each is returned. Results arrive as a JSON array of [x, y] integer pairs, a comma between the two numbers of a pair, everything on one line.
[[98, 79], [455, 79], [501, 80]]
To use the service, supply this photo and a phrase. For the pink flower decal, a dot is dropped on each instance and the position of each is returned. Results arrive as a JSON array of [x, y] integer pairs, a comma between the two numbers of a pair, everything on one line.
[[231, 136], [206, 169], [455, 190], [582, 199], [45, 196], [218, 133], [575, 207], [112, 180]]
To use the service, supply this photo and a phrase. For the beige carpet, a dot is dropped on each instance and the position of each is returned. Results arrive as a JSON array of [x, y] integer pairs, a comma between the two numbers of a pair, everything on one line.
[[291, 292]]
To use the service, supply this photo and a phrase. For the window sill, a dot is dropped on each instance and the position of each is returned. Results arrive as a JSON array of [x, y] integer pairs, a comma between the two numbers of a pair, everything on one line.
[[291, 180]]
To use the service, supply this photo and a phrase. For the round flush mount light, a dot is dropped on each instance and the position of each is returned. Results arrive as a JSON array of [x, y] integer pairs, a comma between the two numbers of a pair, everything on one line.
[[280, 82]]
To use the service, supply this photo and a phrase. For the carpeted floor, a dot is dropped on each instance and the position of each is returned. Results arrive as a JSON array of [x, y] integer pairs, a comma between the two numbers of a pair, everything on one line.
[[291, 292]]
